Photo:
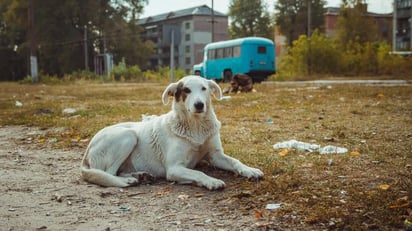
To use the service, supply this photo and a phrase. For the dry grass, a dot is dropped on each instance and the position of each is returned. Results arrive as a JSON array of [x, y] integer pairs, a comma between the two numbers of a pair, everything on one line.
[[345, 195]]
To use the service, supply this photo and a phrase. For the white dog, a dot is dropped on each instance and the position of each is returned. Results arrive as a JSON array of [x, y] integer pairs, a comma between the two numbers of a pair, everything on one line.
[[168, 146]]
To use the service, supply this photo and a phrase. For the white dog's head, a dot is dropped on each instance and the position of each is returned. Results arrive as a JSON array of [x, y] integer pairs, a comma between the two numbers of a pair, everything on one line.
[[193, 93]]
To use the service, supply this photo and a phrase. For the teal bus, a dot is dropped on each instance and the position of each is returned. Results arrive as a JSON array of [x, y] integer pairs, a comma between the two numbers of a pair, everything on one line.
[[253, 56]]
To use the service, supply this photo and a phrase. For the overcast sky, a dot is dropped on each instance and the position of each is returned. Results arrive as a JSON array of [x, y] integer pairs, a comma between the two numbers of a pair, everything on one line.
[[156, 7]]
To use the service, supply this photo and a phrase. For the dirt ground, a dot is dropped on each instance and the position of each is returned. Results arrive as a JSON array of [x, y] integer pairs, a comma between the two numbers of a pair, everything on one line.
[[368, 188], [41, 190]]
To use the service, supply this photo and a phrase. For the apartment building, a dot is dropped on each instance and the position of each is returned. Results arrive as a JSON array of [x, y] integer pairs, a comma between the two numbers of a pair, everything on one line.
[[189, 30], [403, 23], [383, 22]]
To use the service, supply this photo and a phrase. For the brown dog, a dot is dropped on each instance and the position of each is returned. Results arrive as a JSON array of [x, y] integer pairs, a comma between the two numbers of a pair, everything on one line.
[[241, 83]]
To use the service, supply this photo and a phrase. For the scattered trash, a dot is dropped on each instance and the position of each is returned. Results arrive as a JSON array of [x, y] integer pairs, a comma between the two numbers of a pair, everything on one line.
[[53, 140], [302, 146], [330, 162], [269, 121], [69, 111], [19, 104], [227, 97], [329, 149], [408, 225], [123, 209], [120, 210], [273, 206]]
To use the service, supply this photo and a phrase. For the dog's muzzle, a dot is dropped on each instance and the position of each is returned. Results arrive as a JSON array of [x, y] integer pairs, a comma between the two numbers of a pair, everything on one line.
[[199, 107]]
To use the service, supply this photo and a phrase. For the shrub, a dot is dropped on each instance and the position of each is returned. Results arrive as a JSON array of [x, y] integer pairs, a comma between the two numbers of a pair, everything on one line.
[[317, 55]]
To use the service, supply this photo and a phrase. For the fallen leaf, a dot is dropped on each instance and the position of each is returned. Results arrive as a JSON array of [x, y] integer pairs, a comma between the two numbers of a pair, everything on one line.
[[283, 152], [199, 195], [384, 186], [312, 220], [164, 191], [355, 153], [258, 214]]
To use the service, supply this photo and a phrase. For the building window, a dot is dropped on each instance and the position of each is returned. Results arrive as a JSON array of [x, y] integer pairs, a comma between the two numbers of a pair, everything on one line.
[[188, 61], [187, 25], [187, 49], [187, 37]]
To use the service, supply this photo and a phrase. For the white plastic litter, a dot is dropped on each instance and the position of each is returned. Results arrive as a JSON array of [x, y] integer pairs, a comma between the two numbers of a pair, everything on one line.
[[69, 111], [298, 145], [329, 149], [273, 206], [19, 104], [302, 146]]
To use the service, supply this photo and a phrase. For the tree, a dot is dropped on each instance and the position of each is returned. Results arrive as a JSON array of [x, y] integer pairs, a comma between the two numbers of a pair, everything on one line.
[[353, 23], [60, 28], [249, 18], [292, 17]]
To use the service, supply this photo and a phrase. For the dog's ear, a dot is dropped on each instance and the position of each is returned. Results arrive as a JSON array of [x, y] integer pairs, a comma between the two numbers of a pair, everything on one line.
[[169, 91], [216, 90]]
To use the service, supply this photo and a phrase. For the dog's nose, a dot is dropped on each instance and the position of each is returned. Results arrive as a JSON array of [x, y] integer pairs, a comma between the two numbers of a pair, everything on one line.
[[199, 106]]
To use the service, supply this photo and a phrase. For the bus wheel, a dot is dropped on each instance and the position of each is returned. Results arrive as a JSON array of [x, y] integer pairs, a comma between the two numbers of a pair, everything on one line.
[[227, 76]]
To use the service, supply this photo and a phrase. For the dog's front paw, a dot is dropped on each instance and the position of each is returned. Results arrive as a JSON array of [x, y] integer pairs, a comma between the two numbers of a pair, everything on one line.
[[214, 184], [129, 181], [251, 173]]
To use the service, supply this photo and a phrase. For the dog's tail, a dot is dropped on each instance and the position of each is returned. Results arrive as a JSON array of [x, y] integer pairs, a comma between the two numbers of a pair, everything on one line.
[[100, 177]]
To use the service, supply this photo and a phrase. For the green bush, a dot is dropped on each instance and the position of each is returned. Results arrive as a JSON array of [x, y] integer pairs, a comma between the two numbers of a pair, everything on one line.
[[320, 55], [81, 75], [317, 55]]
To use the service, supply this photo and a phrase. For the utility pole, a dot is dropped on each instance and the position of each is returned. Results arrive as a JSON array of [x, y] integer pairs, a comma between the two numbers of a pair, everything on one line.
[[394, 25], [33, 50], [213, 23], [309, 34], [86, 59], [309, 17], [172, 57]]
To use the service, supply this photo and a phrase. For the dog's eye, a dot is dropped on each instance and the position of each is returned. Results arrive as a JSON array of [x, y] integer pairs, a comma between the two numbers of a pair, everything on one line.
[[203, 88], [186, 90]]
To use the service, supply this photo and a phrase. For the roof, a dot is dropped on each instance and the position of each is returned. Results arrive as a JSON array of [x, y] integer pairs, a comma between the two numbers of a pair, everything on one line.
[[198, 10], [336, 10], [238, 41]]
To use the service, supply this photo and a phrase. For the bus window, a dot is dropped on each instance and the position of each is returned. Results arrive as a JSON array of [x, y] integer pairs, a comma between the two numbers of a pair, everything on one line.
[[219, 53], [228, 52], [261, 50], [211, 54], [236, 51]]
